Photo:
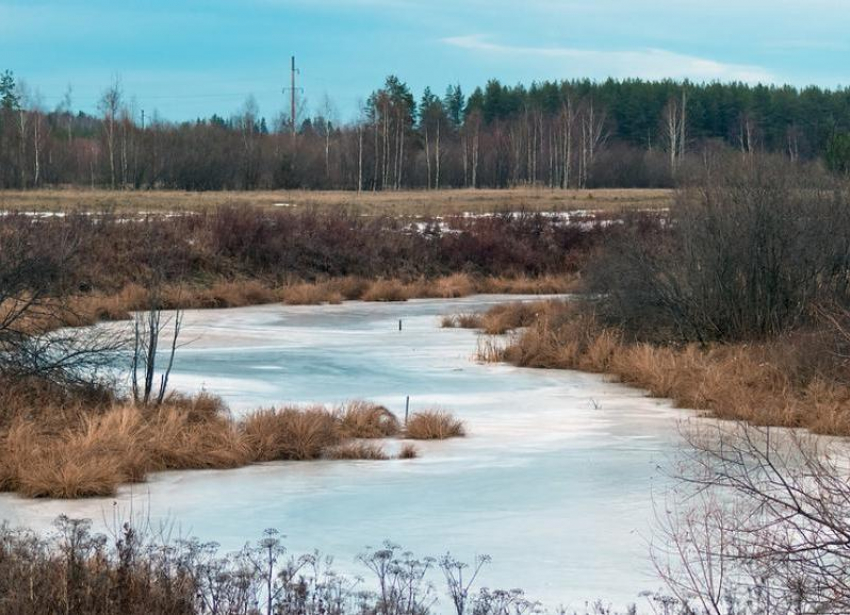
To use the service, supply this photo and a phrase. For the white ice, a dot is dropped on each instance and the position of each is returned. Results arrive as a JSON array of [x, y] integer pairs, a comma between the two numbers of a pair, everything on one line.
[[556, 480]]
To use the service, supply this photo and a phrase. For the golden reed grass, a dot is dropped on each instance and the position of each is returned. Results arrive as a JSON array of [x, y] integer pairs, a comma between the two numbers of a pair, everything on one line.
[[499, 319], [366, 451], [89, 309], [83, 455], [433, 425], [762, 383]]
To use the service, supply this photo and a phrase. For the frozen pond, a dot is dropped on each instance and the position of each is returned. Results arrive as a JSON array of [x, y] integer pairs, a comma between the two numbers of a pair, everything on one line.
[[555, 480]]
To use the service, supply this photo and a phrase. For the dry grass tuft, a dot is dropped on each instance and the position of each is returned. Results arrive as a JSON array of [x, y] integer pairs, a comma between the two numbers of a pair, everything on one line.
[[224, 294], [501, 318], [507, 317], [290, 434], [349, 288], [408, 451], [525, 285], [311, 294], [433, 425], [357, 451], [453, 286], [360, 419], [461, 321], [388, 290], [180, 439]]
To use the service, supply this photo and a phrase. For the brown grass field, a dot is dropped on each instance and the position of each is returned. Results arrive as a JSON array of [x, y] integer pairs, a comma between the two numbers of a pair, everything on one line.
[[419, 202]]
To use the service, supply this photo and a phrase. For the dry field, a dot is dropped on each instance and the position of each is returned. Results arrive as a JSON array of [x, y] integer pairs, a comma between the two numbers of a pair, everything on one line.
[[420, 202]]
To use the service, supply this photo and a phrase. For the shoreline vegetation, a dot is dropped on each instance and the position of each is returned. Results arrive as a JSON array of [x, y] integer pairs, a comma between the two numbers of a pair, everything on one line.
[[95, 307], [772, 383], [82, 449], [102, 266]]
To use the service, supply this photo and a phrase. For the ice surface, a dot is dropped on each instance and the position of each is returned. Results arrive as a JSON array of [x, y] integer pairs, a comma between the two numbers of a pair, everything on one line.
[[555, 481]]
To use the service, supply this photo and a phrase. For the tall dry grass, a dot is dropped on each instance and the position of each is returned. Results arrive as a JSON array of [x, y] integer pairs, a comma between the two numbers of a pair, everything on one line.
[[501, 318], [83, 454], [768, 383], [360, 419], [365, 451], [91, 308], [433, 425], [290, 434]]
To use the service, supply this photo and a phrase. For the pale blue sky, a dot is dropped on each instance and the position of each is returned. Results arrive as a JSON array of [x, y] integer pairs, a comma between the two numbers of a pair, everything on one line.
[[189, 58]]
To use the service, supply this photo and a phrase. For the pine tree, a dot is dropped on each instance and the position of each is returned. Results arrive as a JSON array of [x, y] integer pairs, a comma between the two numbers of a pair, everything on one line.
[[9, 100]]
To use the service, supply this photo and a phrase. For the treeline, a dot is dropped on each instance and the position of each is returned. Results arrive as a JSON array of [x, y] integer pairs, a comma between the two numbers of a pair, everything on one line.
[[569, 134]]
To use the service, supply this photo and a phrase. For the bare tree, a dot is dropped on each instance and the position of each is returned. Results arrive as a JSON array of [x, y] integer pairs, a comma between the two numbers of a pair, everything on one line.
[[593, 137], [36, 287], [761, 522], [674, 128], [148, 327], [110, 106]]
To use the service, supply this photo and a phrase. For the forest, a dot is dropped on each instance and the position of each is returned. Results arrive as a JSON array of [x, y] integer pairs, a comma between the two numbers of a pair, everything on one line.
[[569, 134]]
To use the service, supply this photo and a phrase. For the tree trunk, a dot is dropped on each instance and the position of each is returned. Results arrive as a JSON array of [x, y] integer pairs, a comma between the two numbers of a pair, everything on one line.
[[437, 161], [427, 157]]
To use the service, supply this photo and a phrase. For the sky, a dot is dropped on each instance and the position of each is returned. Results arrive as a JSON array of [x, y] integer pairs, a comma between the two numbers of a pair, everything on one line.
[[184, 59]]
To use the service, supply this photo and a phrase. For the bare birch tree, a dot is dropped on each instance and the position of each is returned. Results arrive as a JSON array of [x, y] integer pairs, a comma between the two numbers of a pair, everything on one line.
[[110, 106], [674, 125]]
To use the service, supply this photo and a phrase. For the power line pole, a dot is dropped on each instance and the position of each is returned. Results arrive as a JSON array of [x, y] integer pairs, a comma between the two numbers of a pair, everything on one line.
[[292, 97], [143, 120], [293, 91]]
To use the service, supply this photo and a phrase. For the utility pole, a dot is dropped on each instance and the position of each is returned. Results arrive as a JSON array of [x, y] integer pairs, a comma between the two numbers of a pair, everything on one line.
[[143, 120], [293, 90], [292, 97]]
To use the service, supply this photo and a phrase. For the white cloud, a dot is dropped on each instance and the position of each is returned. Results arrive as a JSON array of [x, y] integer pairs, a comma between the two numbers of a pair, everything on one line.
[[646, 63]]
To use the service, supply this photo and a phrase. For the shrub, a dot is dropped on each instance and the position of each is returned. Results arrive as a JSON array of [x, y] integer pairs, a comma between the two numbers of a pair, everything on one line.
[[748, 252]]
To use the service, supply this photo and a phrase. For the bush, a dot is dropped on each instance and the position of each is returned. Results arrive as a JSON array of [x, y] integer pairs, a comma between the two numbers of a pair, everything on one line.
[[748, 252]]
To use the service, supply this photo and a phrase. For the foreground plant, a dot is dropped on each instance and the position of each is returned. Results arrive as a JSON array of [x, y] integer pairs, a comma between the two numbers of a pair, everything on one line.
[[760, 523], [138, 571]]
